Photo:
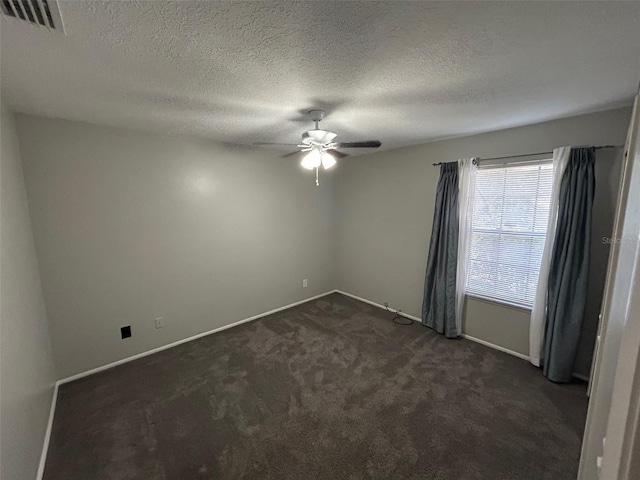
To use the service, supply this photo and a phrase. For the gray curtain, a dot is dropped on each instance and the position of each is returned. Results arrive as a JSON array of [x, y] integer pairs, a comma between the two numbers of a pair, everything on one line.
[[568, 273], [439, 302]]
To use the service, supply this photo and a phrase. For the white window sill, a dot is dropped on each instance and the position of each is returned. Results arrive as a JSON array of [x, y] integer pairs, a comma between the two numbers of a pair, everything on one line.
[[502, 303]]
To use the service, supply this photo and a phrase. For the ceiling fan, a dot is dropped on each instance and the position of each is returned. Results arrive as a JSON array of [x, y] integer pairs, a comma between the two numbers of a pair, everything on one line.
[[321, 147]]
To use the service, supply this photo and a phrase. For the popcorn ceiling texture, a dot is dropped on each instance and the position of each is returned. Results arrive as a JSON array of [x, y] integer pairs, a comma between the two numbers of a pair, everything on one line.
[[401, 72]]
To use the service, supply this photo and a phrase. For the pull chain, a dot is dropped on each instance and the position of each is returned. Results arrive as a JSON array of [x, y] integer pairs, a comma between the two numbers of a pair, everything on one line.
[[317, 182]]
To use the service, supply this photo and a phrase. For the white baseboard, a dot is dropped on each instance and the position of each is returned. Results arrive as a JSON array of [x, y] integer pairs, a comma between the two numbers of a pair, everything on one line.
[[468, 337], [379, 305], [464, 335], [260, 315], [47, 435], [515, 354], [496, 347], [188, 339]]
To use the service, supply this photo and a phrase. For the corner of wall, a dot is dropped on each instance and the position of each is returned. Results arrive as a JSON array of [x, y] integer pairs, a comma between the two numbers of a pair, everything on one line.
[[27, 367]]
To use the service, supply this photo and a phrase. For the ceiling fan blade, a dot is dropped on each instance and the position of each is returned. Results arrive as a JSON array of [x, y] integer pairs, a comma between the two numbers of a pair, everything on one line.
[[290, 154], [338, 153], [273, 143], [365, 144]]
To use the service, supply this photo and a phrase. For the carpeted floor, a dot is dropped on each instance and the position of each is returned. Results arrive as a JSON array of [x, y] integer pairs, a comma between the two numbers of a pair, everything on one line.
[[331, 389]]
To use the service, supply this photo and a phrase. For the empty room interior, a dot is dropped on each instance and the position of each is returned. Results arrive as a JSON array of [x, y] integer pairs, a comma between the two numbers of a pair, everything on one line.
[[319, 240]]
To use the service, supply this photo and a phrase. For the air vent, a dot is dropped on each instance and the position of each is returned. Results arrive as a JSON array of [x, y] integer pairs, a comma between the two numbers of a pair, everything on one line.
[[41, 13]]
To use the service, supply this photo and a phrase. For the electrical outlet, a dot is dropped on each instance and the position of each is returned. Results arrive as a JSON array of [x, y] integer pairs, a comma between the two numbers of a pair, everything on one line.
[[159, 322], [305, 283], [125, 332]]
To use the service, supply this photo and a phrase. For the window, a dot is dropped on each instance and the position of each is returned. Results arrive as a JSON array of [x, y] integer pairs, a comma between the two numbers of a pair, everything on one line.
[[510, 210]]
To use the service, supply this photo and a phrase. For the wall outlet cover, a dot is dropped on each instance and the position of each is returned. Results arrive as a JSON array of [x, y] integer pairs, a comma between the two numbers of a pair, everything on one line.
[[305, 283], [159, 322]]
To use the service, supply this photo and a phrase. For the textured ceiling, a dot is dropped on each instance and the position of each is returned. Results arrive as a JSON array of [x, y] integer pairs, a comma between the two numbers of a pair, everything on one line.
[[400, 72]]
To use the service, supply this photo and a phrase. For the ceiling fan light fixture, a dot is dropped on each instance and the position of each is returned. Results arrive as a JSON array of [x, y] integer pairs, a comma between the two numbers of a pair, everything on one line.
[[318, 136], [328, 160], [312, 160]]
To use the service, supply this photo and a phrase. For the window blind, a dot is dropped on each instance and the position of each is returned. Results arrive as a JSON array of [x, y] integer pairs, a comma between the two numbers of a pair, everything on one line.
[[510, 210]]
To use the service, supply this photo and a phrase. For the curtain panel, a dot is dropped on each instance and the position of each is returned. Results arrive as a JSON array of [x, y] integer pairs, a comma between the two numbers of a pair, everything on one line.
[[539, 310], [466, 181], [439, 301], [569, 268]]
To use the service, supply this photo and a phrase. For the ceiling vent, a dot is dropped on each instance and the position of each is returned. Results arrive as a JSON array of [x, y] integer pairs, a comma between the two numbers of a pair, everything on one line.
[[40, 13]]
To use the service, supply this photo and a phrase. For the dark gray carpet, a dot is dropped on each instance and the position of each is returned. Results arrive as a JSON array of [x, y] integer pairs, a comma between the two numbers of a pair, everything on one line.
[[330, 389]]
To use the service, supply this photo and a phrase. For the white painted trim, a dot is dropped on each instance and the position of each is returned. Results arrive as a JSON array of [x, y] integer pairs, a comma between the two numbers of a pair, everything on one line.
[[47, 438], [496, 347], [47, 435], [464, 335], [515, 354], [379, 305], [188, 339]]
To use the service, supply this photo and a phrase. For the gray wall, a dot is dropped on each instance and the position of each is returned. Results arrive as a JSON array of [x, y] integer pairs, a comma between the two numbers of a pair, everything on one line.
[[384, 210], [131, 226], [26, 361]]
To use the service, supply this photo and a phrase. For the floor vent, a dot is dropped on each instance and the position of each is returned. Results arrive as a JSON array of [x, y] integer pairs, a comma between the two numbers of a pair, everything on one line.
[[41, 13]]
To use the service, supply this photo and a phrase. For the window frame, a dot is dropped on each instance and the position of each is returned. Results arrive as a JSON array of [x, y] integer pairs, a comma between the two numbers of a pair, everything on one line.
[[542, 160]]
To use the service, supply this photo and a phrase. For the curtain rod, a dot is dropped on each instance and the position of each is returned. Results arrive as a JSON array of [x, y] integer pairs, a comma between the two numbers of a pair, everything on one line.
[[534, 154]]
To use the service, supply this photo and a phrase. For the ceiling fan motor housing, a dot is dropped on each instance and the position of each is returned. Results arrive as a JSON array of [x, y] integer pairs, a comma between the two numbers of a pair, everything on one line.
[[316, 115], [318, 137]]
